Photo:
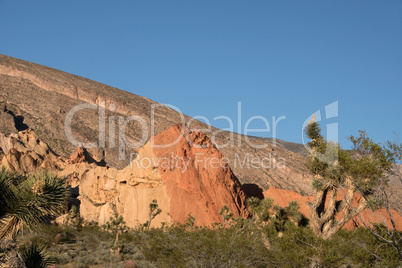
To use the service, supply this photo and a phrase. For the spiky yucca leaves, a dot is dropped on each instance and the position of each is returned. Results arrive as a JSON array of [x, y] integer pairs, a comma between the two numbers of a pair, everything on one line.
[[26, 201], [35, 256], [7, 189]]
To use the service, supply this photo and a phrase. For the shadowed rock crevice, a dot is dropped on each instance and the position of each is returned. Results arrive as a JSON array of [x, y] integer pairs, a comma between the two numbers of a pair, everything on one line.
[[81, 155], [253, 190], [9, 121], [18, 122], [74, 198]]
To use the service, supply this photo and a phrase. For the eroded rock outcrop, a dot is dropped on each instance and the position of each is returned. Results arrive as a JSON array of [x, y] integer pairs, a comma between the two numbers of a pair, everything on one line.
[[173, 168], [197, 177], [25, 152], [180, 169]]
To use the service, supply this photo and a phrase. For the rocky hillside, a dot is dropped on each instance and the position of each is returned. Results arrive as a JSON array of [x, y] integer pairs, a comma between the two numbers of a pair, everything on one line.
[[41, 97]]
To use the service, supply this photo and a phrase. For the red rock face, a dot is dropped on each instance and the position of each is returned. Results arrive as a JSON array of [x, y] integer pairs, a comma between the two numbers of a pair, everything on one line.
[[283, 197], [197, 177]]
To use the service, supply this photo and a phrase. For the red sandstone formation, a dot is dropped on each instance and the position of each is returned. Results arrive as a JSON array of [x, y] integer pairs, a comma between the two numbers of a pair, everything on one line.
[[183, 177], [197, 177]]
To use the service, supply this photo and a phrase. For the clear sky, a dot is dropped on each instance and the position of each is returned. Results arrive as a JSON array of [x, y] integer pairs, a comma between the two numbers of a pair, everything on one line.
[[278, 58]]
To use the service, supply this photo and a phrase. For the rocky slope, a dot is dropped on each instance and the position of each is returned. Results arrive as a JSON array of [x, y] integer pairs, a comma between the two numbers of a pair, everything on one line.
[[41, 97]]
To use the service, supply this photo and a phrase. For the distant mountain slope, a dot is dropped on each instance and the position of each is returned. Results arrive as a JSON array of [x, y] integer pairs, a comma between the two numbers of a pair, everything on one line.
[[40, 97]]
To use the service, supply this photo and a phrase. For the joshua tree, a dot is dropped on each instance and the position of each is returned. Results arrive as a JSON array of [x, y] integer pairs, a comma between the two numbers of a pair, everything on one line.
[[116, 225], [345, 173], [154, 211], [27, 201]]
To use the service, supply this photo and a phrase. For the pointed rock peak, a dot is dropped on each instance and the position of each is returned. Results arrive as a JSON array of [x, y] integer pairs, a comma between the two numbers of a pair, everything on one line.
[[173, 137], [178, 129], [81, 155], [196, 175]]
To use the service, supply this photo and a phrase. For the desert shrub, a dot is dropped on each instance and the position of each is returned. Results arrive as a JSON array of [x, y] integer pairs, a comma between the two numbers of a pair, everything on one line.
[[73, 253], [63, 258], [361, 247], [290, 247], [129, 249], [241, 243], [103, 255], [138, 256], [205, 247], [85, 261]]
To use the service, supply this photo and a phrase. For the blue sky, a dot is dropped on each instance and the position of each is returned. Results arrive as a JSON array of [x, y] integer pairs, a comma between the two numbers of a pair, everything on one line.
[[279, 58]]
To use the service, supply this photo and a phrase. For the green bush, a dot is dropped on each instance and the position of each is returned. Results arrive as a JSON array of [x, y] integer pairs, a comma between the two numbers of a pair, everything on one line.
[[277, 242]]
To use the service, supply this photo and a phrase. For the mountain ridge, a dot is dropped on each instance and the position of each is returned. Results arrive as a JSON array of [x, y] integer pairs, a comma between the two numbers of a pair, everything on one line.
[[43, 96]]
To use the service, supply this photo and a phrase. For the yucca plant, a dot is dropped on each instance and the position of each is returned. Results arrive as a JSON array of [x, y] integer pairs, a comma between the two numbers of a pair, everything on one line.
[[27, 201], [35, 256]]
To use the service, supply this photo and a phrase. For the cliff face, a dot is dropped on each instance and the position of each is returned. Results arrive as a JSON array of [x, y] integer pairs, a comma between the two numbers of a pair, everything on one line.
[[170, 175], [26, 153], [196, 175]]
